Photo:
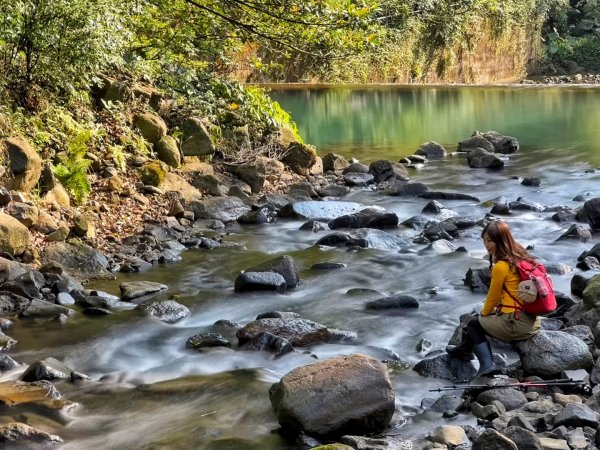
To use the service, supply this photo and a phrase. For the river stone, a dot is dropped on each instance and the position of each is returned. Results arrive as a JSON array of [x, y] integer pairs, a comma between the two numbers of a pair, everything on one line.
[[367, 218], [225, 209], [343, 395], [591, 293], [449, 435], [446, 402], [195, 139], [151, 127], [474, 142], [299, 332], [446, 367], [17, 392], [356, 167], [41, 308], [551, 352], [259, 281], [591, 212], [135, 289], [577, 415], [359, 179], [382, 170], [14, 236], [502, 144], [522, 204], [408, 190], [26, 285], [168, 311], [393, 302], [9, 270], [252, 174], [80, 260], [523, 439], [318, 210], [17, 434], [333, 190], [167, 151], [584, 333], [278, 315], [490, 439], [24, 165], [478, 279], [431, 150], [51, 369], [532, 181], [12, 304], [482, 159], [443, 195], [509, 397], [268, 342], [284, 266], [334, 162], [6, 342], [364, 238], [207, 340], [300, 158]]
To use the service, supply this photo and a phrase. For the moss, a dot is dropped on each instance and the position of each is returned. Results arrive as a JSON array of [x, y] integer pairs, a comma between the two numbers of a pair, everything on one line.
[[153, 174], [335, 446], [591, 294]]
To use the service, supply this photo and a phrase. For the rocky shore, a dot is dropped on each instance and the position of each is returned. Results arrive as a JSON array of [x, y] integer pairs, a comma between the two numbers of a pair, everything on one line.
[[171, 200]]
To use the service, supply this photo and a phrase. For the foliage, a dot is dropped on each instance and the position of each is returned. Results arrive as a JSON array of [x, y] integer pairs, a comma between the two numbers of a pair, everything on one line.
[[153, 174], [72, 171], [57, 44], [584, 50]]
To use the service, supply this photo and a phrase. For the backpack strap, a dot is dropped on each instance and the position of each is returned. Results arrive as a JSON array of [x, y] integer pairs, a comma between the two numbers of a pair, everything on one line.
[[518, 306]]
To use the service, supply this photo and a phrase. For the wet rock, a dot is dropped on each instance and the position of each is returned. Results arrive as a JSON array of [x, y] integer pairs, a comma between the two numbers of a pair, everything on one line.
[[207, 340], [440, 230], [474, 142], [550, 352], [12, 304], [18, 434], [136, 289], [328, 266], [259, 216], [168, 311], [393, 302], [490, 439], [363, 238], [578, 284], [431, 150], [7, 363], [268, 342], [284, 266], [522, 204], [531, 181], [408, 190], [565, 215], [362, 443], [449, 435], [355, 396], [333, 190], [337, 336], [26, 285], [278, 315], [482, 159], [500, 209], [334, 162], [51, 369], [299, 332], [445, 403], [318, 210], [502, 144], [382, 170], [416, 222], [43, 309], [478, 279], [591, 293], [260, 281], [591, 212], [442, 195], [95, 312], [6, 342], [443, 366], [80, 260], [225, 209], [356, 168], [367, 218], [359, 179], [589, 263]]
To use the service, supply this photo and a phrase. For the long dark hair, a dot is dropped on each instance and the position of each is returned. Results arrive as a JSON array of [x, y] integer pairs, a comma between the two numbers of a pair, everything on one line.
[[507, 248]]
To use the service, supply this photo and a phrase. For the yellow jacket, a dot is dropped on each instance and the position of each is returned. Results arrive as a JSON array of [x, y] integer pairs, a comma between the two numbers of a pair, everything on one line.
[[502, 276]]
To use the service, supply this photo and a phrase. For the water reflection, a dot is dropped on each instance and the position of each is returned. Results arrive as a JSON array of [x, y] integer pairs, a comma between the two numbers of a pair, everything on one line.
[[388, 122]]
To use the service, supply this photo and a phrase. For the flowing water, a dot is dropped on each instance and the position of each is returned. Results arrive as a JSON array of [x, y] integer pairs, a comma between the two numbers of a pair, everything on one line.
[[149, 391]]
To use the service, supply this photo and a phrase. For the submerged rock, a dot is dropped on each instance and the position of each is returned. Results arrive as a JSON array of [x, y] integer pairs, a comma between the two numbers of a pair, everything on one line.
[[51, 369], [365, 238], [319, 210], [367, 218], [268, 342], [344, 395], [17, 433], [299, 332]]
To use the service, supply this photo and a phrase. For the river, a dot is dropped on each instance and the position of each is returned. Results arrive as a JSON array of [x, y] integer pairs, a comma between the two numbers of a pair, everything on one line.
[[219, 399]]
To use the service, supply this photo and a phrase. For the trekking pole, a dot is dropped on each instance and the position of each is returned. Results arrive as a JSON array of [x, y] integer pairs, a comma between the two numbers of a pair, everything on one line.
[[522, 384]]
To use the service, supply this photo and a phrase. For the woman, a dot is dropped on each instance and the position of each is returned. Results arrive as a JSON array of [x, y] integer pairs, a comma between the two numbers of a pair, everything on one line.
[[501, 317]]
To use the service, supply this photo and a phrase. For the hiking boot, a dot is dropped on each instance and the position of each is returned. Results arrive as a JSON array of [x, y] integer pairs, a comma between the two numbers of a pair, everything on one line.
[[483, 352], [461, 351]]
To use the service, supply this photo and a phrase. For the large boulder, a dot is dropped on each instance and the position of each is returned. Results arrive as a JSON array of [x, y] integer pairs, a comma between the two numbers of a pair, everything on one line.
[[501, 143], [195, 140], [591, 292], [80, 260], [14, 236], [480, 158], [551, 352], [24, 165], [300, 158], [343, 395], [225, 209], [284, 266], [470, 144], [151, 126], [252, 174]]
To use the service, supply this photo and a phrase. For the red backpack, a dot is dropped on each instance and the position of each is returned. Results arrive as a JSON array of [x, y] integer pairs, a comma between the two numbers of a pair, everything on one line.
[[536, 293]]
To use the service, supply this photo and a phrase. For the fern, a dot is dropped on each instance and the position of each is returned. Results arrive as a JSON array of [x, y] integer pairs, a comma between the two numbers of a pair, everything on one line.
[[72, 172], [116, 151]]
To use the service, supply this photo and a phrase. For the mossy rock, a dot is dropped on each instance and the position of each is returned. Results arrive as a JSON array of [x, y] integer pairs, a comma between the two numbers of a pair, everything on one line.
[[153, 174], [591, 293], [151, 126], [167, 151]]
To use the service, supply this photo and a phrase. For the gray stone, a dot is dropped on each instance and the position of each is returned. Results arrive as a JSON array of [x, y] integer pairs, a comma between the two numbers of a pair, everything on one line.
[[43, 309], [225, 209], [363, 238], [510, 398], [577, 415], [80, 260], [299, 332], [207, 340], [135, 289], [492, 440], [367, 218], [474, 142], [431, 150], [17, 434], [195, 139], [50, 369], [259, 281], [523, 439], [399, 301], [24, 165], [319, 210], [268, 342], [168, 311], [446, 367]]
